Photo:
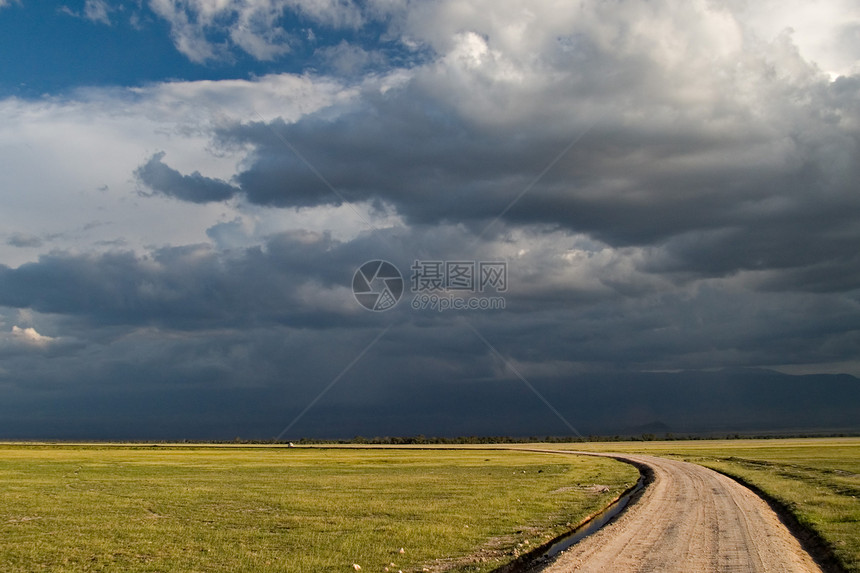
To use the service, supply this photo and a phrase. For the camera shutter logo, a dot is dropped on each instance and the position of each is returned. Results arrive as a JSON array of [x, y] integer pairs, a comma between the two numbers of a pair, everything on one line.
[[377, 285]]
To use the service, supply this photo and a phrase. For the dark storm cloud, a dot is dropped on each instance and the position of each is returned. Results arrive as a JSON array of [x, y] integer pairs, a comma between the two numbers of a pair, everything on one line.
[[430, 378], [588, 313], [674, 196], [200, 343], [710, 189], [23, 240], [194, 188], [297, 277], [188, 286]]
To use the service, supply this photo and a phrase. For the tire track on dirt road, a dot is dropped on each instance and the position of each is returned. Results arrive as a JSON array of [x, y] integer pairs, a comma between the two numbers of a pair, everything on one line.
[[689, 519]]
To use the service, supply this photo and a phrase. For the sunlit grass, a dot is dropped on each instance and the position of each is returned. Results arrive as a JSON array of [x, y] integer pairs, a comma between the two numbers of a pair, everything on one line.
[[100, 508]]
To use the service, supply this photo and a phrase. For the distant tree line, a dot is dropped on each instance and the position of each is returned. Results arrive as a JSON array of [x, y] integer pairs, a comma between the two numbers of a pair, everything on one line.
[[461, 440]]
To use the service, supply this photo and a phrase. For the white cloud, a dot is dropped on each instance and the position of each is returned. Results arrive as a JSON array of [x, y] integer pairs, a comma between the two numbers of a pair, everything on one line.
[[97, 11], [96, 139], [349, 59], [334, 13], [30, 337], [189, 37], [257, 34], [252, 25], [209, 102], [826, 32]]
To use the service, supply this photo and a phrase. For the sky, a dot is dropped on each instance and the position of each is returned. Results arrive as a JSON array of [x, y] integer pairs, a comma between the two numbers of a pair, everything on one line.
[[570, 193]]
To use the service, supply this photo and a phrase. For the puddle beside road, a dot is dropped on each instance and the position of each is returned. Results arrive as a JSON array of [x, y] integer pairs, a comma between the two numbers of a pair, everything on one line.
[[592, 525], [541, 557]]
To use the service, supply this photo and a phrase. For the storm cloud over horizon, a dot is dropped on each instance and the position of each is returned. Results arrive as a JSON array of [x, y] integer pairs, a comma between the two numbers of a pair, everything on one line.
[[671, 185]]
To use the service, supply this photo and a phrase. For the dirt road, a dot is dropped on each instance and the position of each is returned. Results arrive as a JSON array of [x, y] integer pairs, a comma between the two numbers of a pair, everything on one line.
[[690, 519]]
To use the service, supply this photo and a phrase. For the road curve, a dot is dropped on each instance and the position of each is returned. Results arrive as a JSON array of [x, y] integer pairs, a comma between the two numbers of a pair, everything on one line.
[[689, 519]]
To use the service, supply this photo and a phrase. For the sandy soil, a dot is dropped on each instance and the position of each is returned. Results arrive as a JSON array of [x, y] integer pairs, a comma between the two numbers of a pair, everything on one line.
[[690, 519]]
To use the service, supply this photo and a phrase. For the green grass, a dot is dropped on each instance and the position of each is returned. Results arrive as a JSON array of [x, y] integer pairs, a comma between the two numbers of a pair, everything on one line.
[[118, 508], [818, 480]]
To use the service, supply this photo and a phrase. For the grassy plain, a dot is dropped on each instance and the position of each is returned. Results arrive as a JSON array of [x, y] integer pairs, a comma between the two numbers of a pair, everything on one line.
[[817, 479], [122, 508]]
